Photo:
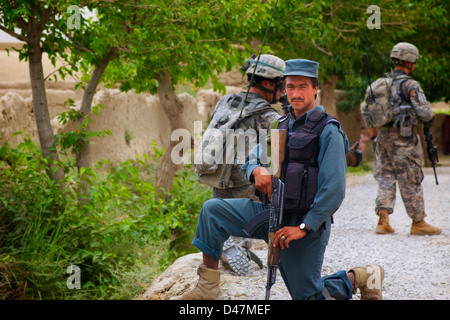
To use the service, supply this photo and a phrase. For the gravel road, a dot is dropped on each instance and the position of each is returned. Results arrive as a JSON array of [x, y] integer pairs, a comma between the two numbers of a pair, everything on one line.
[[416, 267]]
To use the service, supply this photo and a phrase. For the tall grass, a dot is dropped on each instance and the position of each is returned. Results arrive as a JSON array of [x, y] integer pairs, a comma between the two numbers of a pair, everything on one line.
[[120, 235]]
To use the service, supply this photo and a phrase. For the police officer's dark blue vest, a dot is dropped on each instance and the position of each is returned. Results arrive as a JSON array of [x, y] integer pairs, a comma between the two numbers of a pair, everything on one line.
[[301, 169]]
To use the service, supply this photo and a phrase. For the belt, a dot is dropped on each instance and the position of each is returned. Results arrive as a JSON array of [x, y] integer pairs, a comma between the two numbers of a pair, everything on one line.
[[388, 128]]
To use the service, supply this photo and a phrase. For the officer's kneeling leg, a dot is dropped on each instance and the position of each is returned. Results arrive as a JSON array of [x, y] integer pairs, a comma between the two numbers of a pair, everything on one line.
[[220, 218]]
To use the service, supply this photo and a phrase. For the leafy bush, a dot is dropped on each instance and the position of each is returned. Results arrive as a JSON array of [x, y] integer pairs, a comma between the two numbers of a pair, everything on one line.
[[117, 232]]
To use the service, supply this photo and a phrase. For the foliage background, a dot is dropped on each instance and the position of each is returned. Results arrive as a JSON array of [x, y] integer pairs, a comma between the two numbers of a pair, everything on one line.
[[120, 237], [110, 220]]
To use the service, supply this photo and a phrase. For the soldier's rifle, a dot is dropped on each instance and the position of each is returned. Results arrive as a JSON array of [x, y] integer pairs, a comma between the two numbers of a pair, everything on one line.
[[248, 63], [431, 150], [366, 64]]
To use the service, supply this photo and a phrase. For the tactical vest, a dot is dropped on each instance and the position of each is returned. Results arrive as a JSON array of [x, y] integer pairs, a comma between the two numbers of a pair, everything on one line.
[[301, 169], [403, 112]]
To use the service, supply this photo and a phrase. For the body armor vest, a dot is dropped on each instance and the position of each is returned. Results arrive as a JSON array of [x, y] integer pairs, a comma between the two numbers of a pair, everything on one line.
[[403, 111], [301, 169]]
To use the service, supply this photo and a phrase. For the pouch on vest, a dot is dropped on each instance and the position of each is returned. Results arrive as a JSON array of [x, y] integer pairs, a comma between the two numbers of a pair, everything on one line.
[[404, 121], [300, 188], [404, 113], [377, 111]]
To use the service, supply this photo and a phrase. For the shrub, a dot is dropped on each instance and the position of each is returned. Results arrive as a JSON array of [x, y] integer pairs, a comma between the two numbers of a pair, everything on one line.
[[114, 234]]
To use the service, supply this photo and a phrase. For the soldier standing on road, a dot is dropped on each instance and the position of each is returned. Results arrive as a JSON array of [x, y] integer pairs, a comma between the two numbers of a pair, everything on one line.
[[398, 153]]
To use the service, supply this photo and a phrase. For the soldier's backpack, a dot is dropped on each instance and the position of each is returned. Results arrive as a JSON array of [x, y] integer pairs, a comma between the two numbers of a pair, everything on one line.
[[213, 163], [382, 101]]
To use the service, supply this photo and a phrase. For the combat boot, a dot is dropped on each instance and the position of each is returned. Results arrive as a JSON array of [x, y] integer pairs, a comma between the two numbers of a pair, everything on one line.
[[368, 280], [208, 286], [383, 226], [421, 228]]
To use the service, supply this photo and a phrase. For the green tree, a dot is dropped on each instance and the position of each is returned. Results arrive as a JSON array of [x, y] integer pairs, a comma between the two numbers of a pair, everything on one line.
[[184, 41], [335, 33], [33, 19], [145, 45]]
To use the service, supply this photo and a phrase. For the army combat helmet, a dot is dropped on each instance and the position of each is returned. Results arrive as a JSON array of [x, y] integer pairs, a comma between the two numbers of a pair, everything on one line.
[[269, 66], [404, 51]]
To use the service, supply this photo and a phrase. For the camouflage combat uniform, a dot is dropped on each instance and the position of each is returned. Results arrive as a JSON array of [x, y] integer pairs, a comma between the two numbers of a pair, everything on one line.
[[236, 250], [245, 189], [255, 116], [399, 158]]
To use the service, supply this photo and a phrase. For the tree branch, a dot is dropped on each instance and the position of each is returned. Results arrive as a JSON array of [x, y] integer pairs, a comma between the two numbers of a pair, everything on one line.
[[345, 30], [45, 16], [55, 71], [78, 45], [329, 54], [14, 34]]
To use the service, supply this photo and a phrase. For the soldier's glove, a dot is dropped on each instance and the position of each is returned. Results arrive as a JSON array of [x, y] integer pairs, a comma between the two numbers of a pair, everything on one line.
[[354, 156]]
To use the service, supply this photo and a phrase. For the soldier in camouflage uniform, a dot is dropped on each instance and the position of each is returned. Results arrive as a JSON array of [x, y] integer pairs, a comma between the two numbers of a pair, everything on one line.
[[267, 87], [398, 153], [265, 90]]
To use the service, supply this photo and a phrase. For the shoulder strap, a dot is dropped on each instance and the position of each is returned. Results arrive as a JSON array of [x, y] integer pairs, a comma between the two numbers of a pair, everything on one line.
[[313, 120], [256, 106], [284, 122], [398, 87], [334, 120]]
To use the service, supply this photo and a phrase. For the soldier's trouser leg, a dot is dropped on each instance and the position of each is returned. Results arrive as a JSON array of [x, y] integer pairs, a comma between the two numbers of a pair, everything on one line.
[[384, 173], [407, 163], [412, 196], [399, 159]]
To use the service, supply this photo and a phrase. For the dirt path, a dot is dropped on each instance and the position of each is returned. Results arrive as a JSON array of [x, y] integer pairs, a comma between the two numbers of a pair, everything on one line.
[[417, 268]]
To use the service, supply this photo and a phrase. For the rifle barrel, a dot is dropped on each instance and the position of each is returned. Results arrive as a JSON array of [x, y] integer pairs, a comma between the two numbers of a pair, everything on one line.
[[435, 175], [271, 278]]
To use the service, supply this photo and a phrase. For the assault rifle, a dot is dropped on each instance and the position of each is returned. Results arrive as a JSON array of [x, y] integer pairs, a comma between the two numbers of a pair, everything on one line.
[[274, 215], [277, 143], [431, 150]]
